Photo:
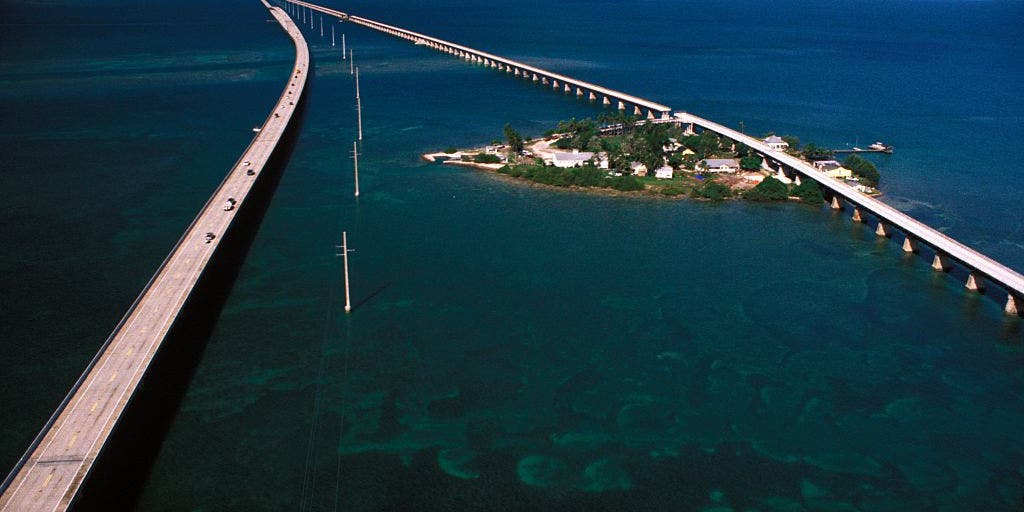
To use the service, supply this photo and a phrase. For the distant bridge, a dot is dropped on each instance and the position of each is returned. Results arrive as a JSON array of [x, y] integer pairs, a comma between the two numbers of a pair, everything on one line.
[[979, 266]]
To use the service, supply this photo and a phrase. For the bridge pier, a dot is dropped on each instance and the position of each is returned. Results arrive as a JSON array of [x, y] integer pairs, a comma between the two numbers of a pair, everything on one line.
[[650, 114], [975, 282], [941, 262], [1013, 305], [622, 106], [856, 214], [592, 96], [494, 64], [636, 111], [910, 244], [836, 204], [544, 80], [579, 92], [517, 71], [883, 230], [567, 88], [606, 101], [535, 78]]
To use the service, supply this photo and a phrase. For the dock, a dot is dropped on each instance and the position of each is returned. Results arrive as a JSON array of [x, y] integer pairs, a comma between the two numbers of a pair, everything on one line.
[[57, 463]]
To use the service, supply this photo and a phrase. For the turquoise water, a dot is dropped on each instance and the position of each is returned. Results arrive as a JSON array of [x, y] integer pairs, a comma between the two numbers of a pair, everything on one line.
[[518, 348]]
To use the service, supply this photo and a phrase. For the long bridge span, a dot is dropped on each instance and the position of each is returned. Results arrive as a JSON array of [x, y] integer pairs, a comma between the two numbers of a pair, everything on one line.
[[980, 267], [50, 474]]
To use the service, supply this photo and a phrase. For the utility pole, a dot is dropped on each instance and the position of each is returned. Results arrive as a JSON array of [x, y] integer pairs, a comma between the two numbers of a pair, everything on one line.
[[359, 107], [351, 63], [355, 158], [332, 34], [344, 254], [321, 26], [343, 52]]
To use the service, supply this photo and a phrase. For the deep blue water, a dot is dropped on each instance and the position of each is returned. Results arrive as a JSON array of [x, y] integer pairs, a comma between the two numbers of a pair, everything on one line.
[[517, 348]]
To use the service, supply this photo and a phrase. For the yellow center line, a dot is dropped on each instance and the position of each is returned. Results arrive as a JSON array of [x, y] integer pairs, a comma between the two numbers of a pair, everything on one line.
[[112, 377], [72, 441], [131, 350], [47, 481], [94, 406]]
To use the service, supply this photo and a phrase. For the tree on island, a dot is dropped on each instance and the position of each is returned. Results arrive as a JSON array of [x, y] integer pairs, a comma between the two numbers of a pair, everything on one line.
[[864, 169], [809, 192], [750, 163], [515, 141], [770, 189]]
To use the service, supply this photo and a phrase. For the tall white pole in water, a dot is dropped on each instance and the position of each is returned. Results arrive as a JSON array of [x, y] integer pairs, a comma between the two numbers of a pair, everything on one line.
[[359, 107], [321, 25], [332, 34], [351, 63], [355, 158], [344, 255], [343, 52]]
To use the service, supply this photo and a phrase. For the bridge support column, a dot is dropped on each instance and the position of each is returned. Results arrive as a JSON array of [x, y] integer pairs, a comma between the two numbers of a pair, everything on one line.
[[592, 96], [910, 244], [636, 111], [975, 282], [836, 204], [650, 114], [517, 71], [606, 101], [567, 88], [622, 106], [796, 179], [883, 230], [856, 214], [941, 262], [1013, 305], [544, 80], [535, 78], [579, 92]]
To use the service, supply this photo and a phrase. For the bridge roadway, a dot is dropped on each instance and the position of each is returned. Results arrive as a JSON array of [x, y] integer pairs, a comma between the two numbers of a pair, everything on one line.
[[49, 475], [566, 83]]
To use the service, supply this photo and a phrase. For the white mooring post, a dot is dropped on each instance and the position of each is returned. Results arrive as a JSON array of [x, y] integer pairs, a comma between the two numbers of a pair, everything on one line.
[[321, 26], [359, 107], [332, 34], [344, 256], [343, 47], [355, 162], [351, 63]]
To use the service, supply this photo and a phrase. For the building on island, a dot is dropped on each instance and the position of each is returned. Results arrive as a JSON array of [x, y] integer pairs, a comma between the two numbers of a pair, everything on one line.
[[575, 159], [775, 142], [718, 165], [638, 169], [832, 168], [663, 173]]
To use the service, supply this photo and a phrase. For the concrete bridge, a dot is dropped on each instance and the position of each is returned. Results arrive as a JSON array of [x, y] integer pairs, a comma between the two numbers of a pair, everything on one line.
[[556, 81], [947, 250], [48, 477]]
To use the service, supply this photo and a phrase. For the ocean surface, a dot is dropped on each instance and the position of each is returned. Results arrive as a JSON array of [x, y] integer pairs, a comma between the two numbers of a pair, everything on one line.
[[514, 347]]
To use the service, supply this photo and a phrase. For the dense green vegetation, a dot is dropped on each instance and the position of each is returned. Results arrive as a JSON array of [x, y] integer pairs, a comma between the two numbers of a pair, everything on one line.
[[712, 190], [809, 192], [770, 189], [813, 152], [750, 163], [585, 176], [863, 169], [484, 158]]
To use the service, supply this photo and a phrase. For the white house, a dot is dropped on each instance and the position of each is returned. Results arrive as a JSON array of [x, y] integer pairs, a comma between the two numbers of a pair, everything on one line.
[[718, 165], [575, 159], [638, 169], [663, 173], [775, 142]]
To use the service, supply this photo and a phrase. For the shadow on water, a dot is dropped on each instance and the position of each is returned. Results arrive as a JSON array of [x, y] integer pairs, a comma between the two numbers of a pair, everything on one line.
[[380, 289], [123, 466]]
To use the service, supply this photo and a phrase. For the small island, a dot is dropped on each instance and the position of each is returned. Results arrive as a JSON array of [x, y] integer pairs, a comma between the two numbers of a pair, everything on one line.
[[623, 154]]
